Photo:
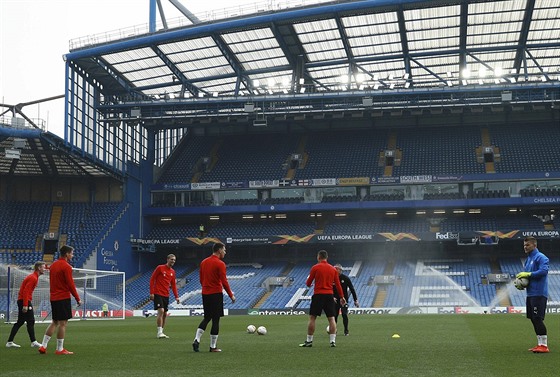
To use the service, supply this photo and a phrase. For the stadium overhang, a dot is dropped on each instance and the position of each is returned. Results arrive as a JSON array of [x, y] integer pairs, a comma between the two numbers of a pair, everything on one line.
[[379, 48]]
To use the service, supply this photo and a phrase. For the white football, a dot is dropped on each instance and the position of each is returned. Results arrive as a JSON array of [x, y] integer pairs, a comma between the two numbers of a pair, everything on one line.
[[328, 329], [261, 330], [251, 329], [521, 283]]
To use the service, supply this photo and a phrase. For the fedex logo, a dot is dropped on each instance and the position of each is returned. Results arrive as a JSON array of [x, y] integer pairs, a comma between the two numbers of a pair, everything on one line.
[[455, 310]]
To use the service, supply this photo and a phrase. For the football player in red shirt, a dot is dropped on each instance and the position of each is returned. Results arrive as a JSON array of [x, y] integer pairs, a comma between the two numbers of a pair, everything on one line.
[[25, 307], [162, 278], [325, 277], [213, 280], [61, 287]]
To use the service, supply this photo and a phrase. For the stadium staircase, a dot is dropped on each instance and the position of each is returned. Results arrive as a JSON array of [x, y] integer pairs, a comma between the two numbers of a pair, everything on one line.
[[392, 146], [39, 242], [489, 166], [56, 216], [320, 227], [262, 299], [381, 295], [201, 167], [291, 173], [501, 289]]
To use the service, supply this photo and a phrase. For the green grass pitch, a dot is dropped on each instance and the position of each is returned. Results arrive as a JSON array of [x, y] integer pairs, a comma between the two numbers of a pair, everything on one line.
[[429, 345]]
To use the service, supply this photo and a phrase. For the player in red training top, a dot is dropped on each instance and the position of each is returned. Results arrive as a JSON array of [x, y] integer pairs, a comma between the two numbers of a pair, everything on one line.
[[62, 286], [25, 307], [325, 277], [213, 280], [162, 278]]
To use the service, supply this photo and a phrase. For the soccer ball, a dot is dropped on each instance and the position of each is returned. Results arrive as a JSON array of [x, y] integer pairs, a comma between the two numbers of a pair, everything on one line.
[[521, 284], [328, 329], [251, 329], [261, 330]]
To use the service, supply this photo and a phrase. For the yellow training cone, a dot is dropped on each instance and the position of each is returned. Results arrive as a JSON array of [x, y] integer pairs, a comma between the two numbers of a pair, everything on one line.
[[396, 336]]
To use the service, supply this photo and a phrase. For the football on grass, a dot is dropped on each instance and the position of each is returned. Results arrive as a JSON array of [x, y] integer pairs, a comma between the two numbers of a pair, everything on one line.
[[521, 283], [251, 329], [261, 330]]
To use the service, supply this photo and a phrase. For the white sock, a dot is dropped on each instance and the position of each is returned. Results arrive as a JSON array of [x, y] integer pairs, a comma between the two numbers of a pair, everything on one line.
[[46, 339], [332, 338], [213, 341], [159, 330], [198, 334], [544, 340], [59, 344], [309, 338]]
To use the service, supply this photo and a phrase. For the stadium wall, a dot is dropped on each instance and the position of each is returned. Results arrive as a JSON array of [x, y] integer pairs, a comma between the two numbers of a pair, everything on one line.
[[114, 252]]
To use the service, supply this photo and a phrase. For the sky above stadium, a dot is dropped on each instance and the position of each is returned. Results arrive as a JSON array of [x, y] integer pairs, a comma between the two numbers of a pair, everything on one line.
[[35, 34]]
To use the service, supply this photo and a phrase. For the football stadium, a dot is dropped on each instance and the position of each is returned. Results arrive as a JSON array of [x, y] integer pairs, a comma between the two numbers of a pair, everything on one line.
[[416, 141]]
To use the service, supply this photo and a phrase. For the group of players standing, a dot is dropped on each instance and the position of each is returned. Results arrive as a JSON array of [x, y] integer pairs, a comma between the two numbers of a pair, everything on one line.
[[330, 296]]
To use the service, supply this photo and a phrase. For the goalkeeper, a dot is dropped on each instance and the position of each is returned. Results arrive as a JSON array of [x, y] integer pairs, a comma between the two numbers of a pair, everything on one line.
[[536, 270]]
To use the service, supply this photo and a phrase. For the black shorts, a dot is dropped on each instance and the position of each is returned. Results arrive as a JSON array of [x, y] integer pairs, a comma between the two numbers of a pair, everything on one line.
[[28, 316], [61, 310], [213, 305], [161, 302], [536, 307], [322, 302]]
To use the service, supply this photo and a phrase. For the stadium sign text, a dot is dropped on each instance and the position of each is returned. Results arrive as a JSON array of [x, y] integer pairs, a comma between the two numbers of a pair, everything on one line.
[[156, 242], [542, 233], [369, 311], [547, 200], [345, 237], [416, 178], [277, 312], [447, 236]]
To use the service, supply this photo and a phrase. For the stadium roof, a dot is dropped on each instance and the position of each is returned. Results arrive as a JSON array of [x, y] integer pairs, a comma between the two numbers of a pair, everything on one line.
[[337, 49], [26, 151]]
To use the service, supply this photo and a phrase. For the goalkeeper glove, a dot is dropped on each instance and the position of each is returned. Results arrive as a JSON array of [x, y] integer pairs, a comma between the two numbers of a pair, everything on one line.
[[522, 275]]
